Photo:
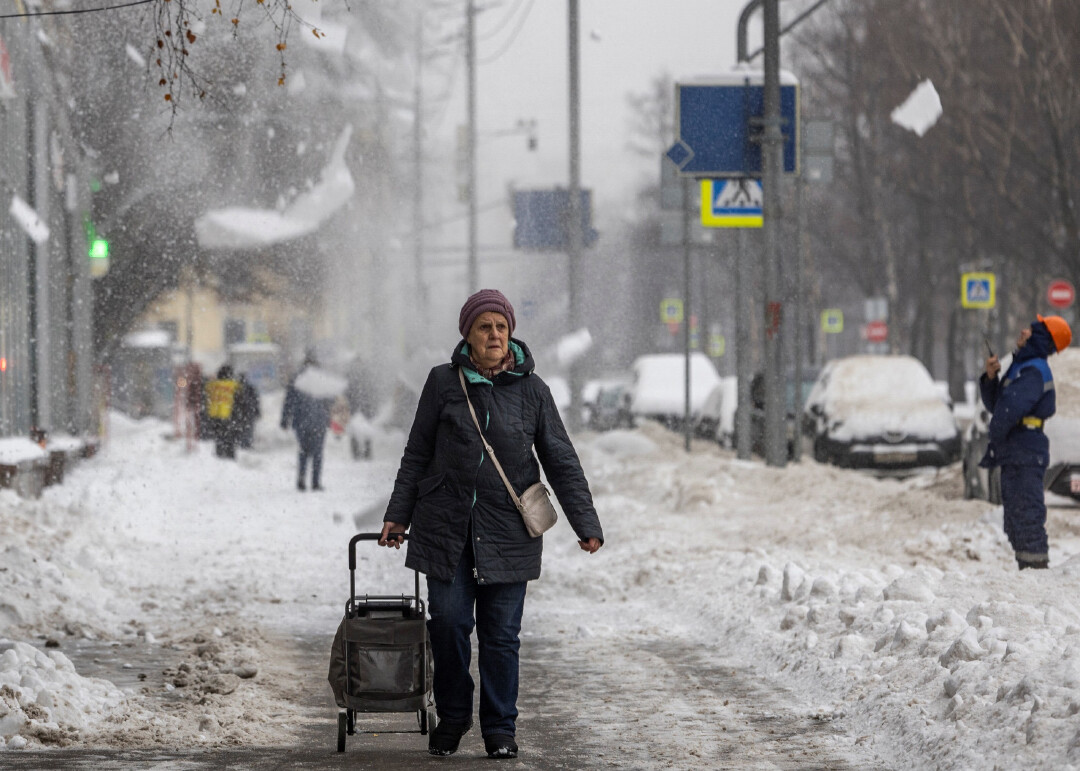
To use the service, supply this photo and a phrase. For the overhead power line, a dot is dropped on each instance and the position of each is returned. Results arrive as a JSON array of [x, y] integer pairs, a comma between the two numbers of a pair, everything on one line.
[[28, 14]]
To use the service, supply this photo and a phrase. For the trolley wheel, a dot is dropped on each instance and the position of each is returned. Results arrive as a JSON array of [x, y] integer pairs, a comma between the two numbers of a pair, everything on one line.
[[342, 722], [427, 720]]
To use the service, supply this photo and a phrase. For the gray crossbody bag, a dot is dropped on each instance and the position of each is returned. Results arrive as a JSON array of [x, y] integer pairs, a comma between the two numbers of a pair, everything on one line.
[[534, 505]]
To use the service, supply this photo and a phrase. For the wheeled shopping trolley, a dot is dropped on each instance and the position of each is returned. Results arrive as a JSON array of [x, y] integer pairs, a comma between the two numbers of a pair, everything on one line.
[[381, 657]]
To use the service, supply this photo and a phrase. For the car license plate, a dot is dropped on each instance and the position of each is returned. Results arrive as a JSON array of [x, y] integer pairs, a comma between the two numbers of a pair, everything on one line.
[[1074, 484], [895, 457]]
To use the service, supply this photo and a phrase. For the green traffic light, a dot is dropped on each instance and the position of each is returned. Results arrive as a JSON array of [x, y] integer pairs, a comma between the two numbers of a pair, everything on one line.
[[99, 249]]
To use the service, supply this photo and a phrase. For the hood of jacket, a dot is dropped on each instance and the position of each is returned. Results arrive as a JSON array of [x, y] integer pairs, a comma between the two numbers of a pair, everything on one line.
[[1039, 345]]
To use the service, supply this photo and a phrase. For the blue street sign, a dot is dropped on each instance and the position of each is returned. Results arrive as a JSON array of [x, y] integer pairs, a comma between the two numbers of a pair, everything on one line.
[[540, 218], [718, 125]]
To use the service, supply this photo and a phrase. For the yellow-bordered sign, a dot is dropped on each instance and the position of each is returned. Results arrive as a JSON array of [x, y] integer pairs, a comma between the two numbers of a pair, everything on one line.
[[832, 321], [732, 203], [978, 290], [671, 310]]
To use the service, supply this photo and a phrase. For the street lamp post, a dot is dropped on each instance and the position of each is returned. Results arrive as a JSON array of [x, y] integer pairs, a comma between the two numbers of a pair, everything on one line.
[[574, 213]]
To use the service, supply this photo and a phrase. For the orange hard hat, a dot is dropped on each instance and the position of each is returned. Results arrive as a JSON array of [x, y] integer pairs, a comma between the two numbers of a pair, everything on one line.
[[1059, 330]]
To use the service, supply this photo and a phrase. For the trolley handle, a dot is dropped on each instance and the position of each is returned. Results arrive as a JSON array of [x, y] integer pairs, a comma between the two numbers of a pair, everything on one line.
[[369, 537], [352, 558]]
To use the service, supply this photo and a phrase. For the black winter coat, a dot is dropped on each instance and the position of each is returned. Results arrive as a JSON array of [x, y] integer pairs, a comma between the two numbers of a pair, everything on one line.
[[448, 491]]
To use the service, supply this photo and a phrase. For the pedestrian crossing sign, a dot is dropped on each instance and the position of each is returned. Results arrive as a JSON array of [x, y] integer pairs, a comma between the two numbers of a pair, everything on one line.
[[978, 290], [832, 321], [732, 203]]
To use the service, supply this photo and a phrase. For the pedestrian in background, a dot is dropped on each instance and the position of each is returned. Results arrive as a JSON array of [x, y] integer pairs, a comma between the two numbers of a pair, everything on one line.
[[246, 412], [467, 536], [220, 399], [1020, 404], [309, 415]]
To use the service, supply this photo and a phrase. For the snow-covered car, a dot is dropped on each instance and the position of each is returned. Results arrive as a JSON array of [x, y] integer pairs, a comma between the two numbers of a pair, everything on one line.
[[716, 420], [609, 407], [658, 391], [882, 412], [1063, 430]]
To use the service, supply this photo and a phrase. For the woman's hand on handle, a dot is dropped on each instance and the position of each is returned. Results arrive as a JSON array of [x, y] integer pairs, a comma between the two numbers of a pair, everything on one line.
[[387, 529], [590, 545]]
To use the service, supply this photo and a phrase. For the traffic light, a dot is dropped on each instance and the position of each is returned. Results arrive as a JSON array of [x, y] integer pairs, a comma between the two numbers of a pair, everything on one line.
[[99, 249], [99, 256]]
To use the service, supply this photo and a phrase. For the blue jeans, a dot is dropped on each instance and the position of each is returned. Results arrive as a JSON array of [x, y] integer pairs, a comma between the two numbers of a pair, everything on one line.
[[498, 609]]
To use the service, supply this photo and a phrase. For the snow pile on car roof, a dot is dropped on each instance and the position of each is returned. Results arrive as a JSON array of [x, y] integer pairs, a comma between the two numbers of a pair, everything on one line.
[[869, 396], [1066, 369], [660, 383]]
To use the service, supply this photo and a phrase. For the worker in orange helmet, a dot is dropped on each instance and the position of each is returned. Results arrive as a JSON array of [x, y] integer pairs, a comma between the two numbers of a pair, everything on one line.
[[1020, 403]]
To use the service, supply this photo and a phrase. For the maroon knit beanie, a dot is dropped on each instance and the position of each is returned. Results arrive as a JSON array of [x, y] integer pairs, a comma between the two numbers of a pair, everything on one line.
[[483, 301]]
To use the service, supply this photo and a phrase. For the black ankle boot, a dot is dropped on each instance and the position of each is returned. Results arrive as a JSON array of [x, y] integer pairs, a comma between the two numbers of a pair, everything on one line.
[[444, 738], [500, 746]]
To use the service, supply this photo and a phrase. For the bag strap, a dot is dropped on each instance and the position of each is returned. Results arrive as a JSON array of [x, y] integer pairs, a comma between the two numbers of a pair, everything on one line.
[[487, 447]]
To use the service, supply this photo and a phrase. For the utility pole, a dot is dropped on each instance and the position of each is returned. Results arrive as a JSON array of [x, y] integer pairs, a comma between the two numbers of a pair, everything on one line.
[[418, 179], [470, 145], [574, 213], [772, 158]]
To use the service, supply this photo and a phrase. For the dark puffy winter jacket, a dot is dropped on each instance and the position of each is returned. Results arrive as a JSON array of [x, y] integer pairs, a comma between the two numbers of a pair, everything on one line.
[[307, 415], [1026, 389], [448, 491]]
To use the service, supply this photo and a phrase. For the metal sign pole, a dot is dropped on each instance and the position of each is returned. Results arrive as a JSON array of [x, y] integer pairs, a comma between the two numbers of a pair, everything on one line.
[[772, 149], [687, 208]]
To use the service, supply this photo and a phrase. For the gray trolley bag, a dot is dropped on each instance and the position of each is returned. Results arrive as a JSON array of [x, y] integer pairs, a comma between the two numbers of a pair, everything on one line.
[[380, 660]]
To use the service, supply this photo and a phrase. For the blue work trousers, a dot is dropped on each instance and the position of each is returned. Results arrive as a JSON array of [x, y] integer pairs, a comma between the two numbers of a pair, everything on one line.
[[1025, 508], [497, 618]]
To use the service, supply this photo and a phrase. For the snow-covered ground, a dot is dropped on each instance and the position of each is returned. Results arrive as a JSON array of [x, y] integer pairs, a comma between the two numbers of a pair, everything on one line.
[[890, 609]]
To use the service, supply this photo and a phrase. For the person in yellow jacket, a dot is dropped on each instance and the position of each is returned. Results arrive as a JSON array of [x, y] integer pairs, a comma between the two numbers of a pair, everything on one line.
[[220, 395]]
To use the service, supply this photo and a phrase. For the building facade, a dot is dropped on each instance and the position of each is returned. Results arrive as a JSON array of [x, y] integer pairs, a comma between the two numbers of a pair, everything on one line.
[[46, 377]]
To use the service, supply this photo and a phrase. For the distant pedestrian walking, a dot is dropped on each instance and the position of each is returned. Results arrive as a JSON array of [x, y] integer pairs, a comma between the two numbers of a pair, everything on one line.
[[308, 400], [246, 412], [220, 399], [1021, 403]]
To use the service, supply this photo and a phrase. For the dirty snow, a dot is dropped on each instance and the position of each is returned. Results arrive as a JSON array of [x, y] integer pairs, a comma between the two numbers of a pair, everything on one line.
[[888, 608]]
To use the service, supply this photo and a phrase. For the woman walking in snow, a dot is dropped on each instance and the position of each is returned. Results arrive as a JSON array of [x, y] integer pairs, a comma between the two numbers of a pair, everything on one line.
[[466, 534]]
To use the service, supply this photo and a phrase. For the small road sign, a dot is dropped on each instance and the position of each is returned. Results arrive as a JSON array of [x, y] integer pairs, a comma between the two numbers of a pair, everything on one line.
[[717, 345], [832, 321], [1060, 293], [876, 331], [733, 203], [978, 290], [671, 310]]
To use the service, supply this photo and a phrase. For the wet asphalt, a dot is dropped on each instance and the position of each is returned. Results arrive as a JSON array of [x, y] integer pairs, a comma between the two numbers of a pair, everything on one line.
[[572, 717]]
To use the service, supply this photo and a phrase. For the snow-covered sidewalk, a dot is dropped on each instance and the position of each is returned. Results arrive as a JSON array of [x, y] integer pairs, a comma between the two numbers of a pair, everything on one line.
[[890, 609]]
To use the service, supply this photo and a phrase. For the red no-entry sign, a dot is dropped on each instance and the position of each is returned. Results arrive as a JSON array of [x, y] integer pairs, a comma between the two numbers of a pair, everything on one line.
[[1060, 294], [877, 331]]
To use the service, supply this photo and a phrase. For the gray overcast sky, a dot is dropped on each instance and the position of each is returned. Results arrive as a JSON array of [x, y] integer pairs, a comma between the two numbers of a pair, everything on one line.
[[634, 42]]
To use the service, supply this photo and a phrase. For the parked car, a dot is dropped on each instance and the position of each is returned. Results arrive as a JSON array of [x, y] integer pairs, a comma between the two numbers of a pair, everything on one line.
[[757, 413], [609, 407], [1063, 430], [881, 412], [658, 390], [716, 420]]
